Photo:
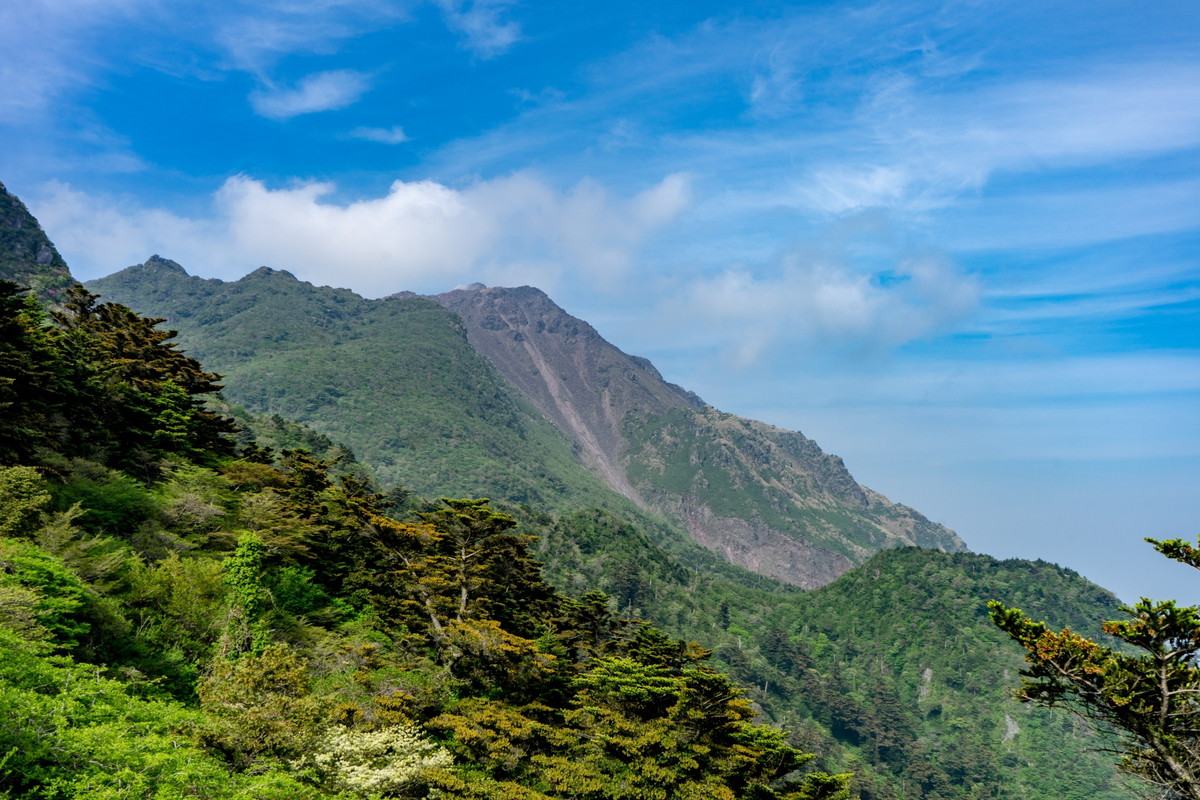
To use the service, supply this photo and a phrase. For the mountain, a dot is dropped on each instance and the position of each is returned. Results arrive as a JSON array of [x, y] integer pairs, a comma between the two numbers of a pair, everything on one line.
[[893, 671], [510, 397], [394, 379], [27, 256], [764, 498], [900, 658]]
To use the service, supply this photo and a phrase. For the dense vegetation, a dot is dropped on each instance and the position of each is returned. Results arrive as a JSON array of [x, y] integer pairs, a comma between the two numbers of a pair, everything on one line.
[[840, 667], [181, 619]]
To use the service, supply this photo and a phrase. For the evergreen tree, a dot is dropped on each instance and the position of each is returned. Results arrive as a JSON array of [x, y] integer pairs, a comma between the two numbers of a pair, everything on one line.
[[1147, 692]]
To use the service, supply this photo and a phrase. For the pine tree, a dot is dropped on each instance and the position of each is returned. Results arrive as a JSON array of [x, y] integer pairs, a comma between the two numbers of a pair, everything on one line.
[[1146, 692]]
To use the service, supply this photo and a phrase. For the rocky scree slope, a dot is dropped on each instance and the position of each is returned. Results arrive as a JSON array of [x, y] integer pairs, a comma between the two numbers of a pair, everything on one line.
[[761, 497]]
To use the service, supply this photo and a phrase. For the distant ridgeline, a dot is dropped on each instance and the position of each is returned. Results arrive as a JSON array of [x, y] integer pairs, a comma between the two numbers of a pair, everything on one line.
[[266, 624]]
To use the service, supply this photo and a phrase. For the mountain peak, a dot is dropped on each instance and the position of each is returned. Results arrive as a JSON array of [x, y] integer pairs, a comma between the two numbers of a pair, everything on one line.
[[767, 499], [157, 262], [561, 364], [268, 272]]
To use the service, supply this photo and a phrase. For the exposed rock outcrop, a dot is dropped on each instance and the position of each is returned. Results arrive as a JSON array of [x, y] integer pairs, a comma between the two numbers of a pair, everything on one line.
[[764, 498]]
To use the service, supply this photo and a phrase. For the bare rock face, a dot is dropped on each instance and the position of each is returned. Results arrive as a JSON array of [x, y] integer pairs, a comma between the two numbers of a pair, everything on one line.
[[583, 384], [761, 497]]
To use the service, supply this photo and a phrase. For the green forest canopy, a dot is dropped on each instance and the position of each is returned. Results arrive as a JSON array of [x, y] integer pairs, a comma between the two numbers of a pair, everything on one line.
[[184, 619]]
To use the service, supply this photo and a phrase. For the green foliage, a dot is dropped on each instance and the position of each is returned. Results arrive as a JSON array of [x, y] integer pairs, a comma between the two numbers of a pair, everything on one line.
[[103, 383], [113, 503], [261, 708], [70, 734], [61, 599], [1145, 691], [23, 495]]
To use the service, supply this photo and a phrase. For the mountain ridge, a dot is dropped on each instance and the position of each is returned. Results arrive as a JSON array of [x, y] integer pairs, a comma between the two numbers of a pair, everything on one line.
[[27, 256], [813, 520]]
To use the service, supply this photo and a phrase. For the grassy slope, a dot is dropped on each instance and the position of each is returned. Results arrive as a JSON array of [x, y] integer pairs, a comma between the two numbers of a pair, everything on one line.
[[393, 379]]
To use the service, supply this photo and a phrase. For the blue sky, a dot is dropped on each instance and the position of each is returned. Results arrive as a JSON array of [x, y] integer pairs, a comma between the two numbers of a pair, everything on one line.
[[957, 243]]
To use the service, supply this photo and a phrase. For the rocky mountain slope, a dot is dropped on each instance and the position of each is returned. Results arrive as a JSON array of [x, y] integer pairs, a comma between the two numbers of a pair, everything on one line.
[[463, 402], [562, 365], [27, 256], [764, 498]]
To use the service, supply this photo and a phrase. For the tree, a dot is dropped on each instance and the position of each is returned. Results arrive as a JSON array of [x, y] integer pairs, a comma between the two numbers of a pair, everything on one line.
[[1147, 693], [31, 380]]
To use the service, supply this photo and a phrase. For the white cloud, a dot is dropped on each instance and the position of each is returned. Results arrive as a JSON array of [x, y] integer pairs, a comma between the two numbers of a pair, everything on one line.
[[253, 38], [99, 235], [392, 135], [321, 91], [487, 34], [421, 235], [818, 301], [916, 150]]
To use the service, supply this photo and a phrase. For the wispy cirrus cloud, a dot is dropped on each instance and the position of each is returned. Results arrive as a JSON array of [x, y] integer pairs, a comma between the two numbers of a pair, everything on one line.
[[918, 148], [49, 49], [321, 91], [392, 135], [254, 36], [482, 25]]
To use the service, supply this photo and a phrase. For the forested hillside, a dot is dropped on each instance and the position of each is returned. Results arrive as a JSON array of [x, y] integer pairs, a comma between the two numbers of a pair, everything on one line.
[[183, 620], [191, 607]]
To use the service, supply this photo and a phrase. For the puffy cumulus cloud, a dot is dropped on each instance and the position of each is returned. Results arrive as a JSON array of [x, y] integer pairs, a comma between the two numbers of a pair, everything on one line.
[[429, 235], [482, 25], [813, 300], [321, 91], [421, 235]]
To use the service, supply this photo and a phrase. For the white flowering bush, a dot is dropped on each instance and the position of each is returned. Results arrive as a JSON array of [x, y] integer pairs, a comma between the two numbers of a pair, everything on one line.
[[389, 762]]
